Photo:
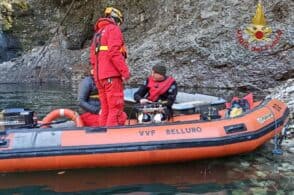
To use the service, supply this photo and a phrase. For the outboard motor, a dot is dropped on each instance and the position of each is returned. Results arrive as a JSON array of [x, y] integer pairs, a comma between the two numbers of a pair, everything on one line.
[[14, 118]]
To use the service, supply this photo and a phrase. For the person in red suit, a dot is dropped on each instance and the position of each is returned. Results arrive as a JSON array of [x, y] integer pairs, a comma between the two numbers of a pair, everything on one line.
[[108, 58]]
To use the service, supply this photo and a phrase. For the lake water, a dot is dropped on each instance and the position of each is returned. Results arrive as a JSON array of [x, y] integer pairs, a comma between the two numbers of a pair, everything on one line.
[[259, 172], [40, 98]]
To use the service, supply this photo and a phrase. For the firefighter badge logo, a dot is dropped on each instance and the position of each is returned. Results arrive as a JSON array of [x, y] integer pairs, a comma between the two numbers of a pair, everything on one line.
[[258, 36]]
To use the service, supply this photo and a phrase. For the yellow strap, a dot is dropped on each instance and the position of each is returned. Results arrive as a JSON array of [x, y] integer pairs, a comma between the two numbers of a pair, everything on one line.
[[103, 48], [94, 96]]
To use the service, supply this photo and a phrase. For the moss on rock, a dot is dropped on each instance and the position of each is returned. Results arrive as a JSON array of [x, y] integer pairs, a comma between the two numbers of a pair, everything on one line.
[[7, 11]]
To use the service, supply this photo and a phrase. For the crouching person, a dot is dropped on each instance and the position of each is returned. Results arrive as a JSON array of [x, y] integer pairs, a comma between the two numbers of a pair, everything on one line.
[[158, 88], [89, 102]]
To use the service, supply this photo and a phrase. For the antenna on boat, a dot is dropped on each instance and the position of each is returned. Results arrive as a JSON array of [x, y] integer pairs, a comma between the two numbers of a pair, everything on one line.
[[278, 138]]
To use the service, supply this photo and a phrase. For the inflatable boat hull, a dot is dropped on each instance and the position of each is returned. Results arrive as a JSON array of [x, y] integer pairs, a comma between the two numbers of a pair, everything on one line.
[[183, 139]]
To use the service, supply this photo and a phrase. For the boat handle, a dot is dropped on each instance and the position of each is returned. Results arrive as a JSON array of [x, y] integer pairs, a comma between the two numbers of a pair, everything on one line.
[[96, 129], [235, 128]]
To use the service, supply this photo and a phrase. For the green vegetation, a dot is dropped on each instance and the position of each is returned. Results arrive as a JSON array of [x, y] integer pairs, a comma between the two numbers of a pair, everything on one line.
[[6, 12]]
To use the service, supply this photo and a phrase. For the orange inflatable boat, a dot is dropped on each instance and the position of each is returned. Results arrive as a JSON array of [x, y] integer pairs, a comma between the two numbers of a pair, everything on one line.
[[182, 138]]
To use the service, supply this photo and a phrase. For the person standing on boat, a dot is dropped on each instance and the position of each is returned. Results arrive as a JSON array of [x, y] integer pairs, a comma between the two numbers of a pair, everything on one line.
[[158, 88], [108, 58], [88, 101]]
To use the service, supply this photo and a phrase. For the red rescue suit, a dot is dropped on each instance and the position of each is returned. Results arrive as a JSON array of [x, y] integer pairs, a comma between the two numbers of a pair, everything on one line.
[[110, 68], [158, 88], [90, 119]]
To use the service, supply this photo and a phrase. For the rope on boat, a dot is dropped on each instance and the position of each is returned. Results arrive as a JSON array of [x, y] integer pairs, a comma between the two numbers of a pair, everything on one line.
[[278, 138]]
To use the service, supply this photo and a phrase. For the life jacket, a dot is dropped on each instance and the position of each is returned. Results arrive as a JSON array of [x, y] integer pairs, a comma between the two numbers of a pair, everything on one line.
[[106, 47], [239, 105], [98, 47], [158, 88], [94, 96], [123, 49], [246, 102]]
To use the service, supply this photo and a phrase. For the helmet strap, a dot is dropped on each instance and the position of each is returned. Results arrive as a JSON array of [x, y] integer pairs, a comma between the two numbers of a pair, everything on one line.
[[116, 20]]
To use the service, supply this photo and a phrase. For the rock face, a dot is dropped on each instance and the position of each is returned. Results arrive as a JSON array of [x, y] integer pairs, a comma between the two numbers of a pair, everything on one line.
[[196, 39], [285, 93], [9, 47]]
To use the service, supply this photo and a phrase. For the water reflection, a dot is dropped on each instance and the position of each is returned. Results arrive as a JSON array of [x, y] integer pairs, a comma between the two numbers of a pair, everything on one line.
[[177, 177], [91, 179], [252, 173]]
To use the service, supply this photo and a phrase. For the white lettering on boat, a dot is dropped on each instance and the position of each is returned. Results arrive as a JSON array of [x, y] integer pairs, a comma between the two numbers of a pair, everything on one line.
[[147, 133], [183, 130], [264, 118]]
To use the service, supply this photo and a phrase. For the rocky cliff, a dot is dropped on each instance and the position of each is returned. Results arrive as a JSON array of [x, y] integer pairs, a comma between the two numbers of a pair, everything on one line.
[[203, 43], [196, 39]]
